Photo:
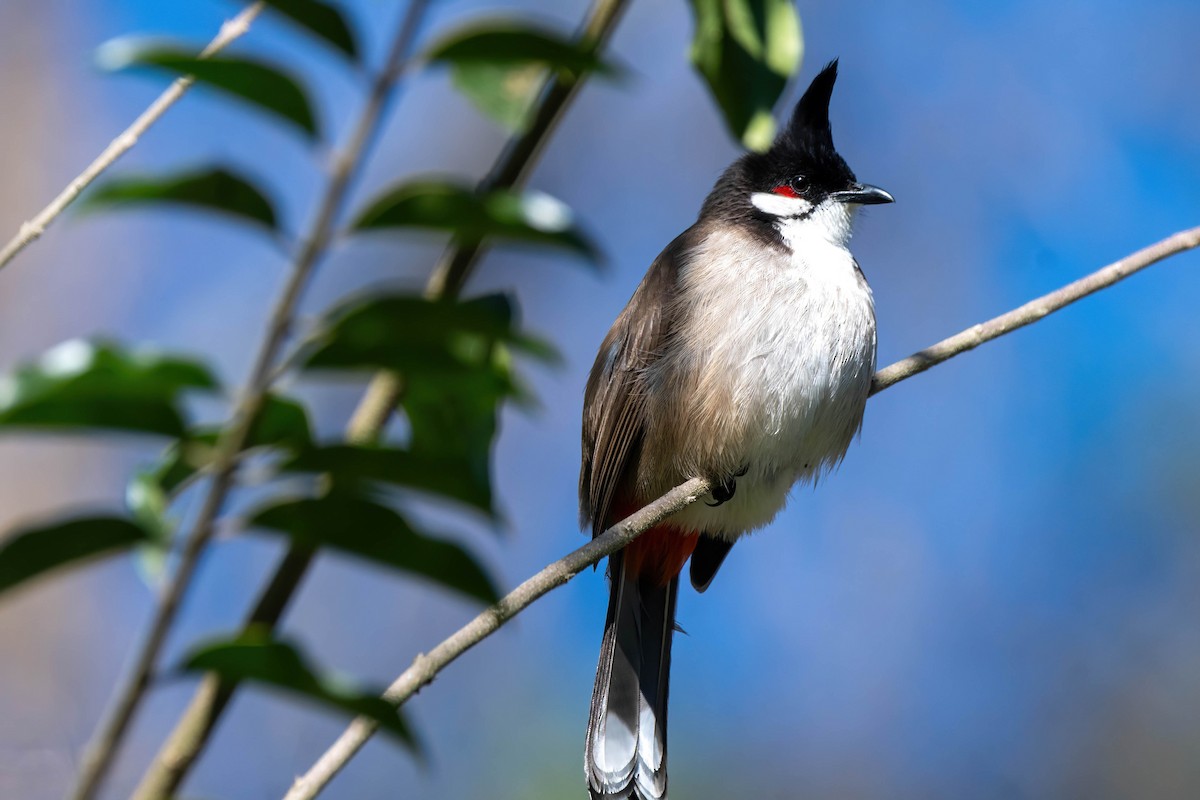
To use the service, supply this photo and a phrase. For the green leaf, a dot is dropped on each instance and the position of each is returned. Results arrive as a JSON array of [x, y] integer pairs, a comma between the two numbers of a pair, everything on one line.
[[455, 361], [213, 190], [254, 656], [506, 94], [746, 50], [457, 415], [322, 20], [528, 217], [148, 495], [257, 83], [433, 473], [81, 385], [501, 67], [375, 532], [152, 489], [33, 551], [511, 43], [416, 336], [283, 422], [148, 499], [180, 462], [149, 503]]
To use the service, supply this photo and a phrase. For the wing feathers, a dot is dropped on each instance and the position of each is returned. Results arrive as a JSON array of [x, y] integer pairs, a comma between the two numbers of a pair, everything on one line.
[[615, 401]]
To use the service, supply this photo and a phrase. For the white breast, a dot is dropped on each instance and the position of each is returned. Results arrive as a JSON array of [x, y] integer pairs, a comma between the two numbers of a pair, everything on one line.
[[768, 370]]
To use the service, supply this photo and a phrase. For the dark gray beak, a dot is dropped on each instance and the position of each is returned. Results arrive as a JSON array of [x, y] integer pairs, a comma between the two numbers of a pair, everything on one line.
[[864, 194]]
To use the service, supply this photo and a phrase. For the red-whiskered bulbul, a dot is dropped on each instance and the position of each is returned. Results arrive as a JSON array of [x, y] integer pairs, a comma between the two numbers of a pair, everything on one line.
[[744, 356]]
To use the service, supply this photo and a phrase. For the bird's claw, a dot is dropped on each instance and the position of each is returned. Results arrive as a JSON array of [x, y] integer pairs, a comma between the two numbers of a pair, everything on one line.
[[723, 492]]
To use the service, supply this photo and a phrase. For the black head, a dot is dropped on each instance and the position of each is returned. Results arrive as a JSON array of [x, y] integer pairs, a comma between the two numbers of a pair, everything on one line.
[[801, 165]]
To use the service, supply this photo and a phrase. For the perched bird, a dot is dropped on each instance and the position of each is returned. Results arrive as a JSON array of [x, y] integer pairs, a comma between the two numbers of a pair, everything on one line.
[[745, 356]]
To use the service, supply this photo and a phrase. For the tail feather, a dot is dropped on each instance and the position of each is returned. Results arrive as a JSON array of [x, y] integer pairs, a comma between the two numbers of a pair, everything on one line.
[[658, 626], [626, 750]]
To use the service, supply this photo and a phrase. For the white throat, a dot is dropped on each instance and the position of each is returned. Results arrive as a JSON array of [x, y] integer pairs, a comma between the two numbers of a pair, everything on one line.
[[829, 222]]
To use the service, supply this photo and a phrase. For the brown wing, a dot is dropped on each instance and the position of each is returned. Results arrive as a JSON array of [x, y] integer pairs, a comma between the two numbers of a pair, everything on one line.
[[614, 402]]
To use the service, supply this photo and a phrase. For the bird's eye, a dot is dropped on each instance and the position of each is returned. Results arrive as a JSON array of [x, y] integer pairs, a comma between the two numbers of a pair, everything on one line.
[[794, 187]]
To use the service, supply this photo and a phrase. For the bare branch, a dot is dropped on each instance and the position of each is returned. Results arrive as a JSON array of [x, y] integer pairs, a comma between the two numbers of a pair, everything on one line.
[[195, 726], [428, 665], [425, 667], [1034, 310], [107, 740], [30, 231]]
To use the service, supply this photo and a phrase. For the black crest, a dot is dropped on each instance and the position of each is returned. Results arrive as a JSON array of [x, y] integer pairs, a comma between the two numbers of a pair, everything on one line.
[[807, 141], [809, 127], [804, 148]]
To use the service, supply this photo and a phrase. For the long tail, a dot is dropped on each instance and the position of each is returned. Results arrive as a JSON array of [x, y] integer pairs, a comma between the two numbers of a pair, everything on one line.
[[626, 751]]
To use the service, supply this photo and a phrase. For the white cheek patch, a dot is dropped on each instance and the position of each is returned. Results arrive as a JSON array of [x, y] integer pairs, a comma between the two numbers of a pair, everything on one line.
[[829, 222], [779, 206]]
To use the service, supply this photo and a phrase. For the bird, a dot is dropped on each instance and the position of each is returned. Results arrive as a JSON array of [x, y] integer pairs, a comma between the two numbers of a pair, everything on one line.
[[745, 357]]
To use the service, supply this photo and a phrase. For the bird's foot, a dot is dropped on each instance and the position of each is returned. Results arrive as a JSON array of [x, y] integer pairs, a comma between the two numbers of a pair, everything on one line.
[[723, 491]]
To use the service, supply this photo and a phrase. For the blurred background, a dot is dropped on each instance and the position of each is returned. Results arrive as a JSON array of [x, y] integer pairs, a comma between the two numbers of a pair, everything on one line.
[[997, 596]]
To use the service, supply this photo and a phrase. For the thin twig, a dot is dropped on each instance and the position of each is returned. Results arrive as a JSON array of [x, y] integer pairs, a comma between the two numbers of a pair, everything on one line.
[[1034, 310], [30, 231], [511, 169], [426, 667], [195, 726], [106, 742]]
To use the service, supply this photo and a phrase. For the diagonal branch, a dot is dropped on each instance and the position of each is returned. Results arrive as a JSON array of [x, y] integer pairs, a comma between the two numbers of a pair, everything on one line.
[[1034, 310], [426, 666], [30, 231], [194, 728], [107, 740]]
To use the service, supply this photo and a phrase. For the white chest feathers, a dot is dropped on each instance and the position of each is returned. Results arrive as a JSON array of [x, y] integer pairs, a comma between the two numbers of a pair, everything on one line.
[[768, 370]]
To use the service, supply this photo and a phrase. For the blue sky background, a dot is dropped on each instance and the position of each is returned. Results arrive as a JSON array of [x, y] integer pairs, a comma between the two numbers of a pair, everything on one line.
[[995, 597]]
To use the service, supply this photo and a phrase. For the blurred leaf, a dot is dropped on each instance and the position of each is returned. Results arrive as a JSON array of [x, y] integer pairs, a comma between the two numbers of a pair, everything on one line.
[[214, 189], [81, 385], [254, 656], [510, 43], [30, 552], [255, 82], [322, 20], [415, 336], [180, 462], [746, 50], [455, 361], [149, 503], [148, 500], [375, 532], [501, 66], [283, 422], [148, 497], [429, 472], [505, 93], [530, 217], [456, 415]]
